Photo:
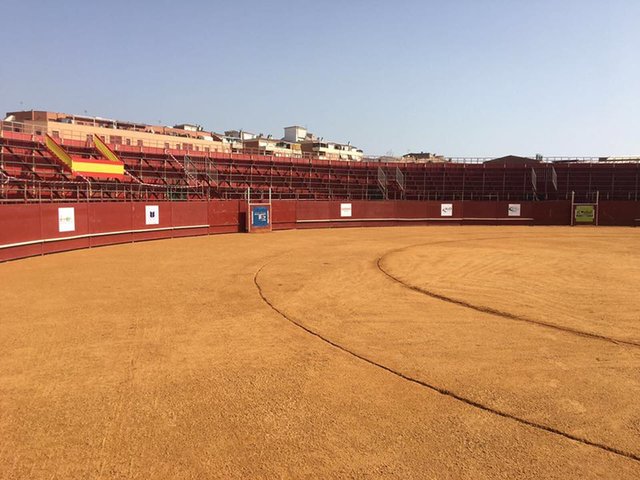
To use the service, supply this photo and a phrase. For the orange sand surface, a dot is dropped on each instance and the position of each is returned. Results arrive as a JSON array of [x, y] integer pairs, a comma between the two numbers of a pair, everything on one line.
[[409, 352]]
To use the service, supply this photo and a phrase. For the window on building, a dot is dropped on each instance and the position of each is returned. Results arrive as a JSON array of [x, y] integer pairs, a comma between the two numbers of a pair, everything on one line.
[[127, 141], [139, 143], [55, 134], [116, 139], [166, 145]]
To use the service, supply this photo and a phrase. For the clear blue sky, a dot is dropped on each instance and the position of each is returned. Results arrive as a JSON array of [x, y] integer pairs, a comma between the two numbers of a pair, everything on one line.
[[453, 77]]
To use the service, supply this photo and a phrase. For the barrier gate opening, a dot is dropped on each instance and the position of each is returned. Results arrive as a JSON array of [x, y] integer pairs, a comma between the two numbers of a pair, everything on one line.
[[258, 214], [584, 213]]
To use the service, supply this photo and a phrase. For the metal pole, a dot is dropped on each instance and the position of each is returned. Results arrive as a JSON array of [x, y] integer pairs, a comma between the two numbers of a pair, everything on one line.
[[573, 196]]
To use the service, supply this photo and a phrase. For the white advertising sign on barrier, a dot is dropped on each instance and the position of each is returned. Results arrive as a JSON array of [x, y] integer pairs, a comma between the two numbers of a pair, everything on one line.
[[66, 219], [345, 209], [514, 209], [152, 214], [446, 210]]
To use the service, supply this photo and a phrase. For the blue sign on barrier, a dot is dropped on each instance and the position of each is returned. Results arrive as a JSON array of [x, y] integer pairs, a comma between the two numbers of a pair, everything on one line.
[[260, 217]]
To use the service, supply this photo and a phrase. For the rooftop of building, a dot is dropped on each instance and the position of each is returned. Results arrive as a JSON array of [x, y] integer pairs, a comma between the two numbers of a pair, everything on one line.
[[187, 130]]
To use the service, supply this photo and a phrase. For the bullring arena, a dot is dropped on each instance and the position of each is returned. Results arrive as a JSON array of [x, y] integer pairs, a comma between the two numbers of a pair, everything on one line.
[[462, 319], [399, 352]]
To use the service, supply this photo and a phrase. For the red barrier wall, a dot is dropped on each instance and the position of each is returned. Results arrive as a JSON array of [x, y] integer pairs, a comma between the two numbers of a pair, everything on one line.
[[194, 215], [33, 229], [311, 211], [142, 231], [49, 228], [412, 209], [619, 213], [488, 213], [283, 214], [223, 216], [27, 230], [111, 217], [552, 212], [19, 223], [319, 214]]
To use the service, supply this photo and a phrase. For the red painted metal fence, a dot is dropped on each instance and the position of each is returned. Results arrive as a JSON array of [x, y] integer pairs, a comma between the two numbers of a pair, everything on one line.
[[36, 229]]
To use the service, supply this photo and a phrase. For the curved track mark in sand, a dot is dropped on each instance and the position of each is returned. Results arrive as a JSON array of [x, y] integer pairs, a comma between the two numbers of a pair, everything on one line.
[[490, 310], [441, 390]]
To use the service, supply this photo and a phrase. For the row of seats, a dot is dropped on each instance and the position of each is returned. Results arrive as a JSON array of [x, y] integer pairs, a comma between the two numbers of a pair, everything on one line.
[[34, 173]]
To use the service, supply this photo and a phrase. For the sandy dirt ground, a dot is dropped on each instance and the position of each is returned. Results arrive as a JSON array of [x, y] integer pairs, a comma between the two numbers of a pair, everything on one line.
[[411, 352]]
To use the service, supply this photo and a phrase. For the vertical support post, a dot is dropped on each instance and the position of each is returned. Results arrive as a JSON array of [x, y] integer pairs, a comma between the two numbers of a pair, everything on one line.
[[573, 197]]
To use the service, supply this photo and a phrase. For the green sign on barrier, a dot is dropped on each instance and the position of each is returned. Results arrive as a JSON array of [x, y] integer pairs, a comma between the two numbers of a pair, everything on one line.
[[585, 213]]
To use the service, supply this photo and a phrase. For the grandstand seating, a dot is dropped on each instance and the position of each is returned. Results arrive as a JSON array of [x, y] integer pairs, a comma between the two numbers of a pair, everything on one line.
[[28, 172]]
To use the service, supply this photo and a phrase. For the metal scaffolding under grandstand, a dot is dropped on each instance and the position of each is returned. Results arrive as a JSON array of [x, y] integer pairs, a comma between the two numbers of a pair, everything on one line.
[[30, 173]]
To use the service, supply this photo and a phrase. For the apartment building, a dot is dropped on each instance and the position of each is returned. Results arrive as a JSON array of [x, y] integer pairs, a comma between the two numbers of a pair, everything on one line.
[[116, 132]]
